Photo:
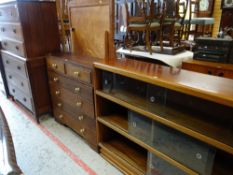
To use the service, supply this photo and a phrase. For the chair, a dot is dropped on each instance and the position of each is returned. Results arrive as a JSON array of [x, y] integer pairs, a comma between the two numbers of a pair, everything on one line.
[[155, 22], [135, 24], [174, 20]]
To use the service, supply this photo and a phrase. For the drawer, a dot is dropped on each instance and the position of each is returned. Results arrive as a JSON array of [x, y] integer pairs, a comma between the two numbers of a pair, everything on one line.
[[191, 153], [80, 123], [225, 73], [200, 69], [24, 99], [14, 64], [19, 82], [15, 47], [59, 115], [84, 91], [55, 64], [140, 127], [9, 12], [11, 30], [74, 106], [161, 167], [79, 73]]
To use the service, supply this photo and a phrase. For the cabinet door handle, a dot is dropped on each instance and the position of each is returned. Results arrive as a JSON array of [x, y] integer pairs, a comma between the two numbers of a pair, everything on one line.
[[134, 124], [82, 131], [57, 92], [54, 66], [60, 116]]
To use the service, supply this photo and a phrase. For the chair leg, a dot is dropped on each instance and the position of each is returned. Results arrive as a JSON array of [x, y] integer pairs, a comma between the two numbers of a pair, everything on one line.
[[148, 45], [161, 39]]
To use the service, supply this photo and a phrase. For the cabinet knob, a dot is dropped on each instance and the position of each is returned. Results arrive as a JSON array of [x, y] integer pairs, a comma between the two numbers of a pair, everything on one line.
[[13, 90], [79, 104], [54, 66], [77, 89], [60, 116], [152, 99], [80, 117], [17, 47], [24, 99], [82, 131], [209, 72], [57, 92], [100, 1], [55, 79], [76, 74], [22, 84], [59, 105], [18, 67], [14, 30]]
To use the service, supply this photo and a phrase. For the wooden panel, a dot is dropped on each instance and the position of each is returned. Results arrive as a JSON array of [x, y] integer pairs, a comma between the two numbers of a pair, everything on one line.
[[11, 30], [19, 82], [55, 64], [12, 63], [79, 73], [9, 12], [89, 24], [21, 97], [15, 47]]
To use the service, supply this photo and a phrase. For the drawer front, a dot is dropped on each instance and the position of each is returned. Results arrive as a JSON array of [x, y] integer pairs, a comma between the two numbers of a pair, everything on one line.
[[74, 106], [21, 97], [140, 127], [14, 47], [161, 167], [9, 12], [19, 82], [11, 30], [14, 64], [84, 91], [55, 64], [79, 73], [200, 69], [83, 125], [59, 115], [184, 149]]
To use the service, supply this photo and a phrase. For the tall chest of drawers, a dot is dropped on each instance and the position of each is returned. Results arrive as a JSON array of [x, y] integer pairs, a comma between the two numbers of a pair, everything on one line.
[[28, 31], [71, 89]]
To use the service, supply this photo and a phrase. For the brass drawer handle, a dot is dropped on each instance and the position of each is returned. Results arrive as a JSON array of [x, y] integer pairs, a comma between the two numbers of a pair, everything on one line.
[[100, 1], [54, 66], [55, 79], [79, 104], [76, 74], [59, 105], [82, 131], [80, 117], [57, 92], [77, 89], [60, 116]]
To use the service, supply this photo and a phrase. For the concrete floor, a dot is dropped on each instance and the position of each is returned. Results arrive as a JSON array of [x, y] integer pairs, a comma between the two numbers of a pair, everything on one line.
[[50, 148]]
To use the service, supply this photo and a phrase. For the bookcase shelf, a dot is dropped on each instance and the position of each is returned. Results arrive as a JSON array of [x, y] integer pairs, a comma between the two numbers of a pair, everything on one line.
[[123, 95]]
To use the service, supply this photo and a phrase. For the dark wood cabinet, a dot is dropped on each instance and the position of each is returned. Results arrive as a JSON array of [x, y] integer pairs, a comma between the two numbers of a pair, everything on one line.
[[71, 89], [28, 31]]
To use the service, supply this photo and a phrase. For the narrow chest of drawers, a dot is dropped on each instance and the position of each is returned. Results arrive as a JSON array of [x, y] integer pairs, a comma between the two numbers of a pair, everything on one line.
[[28, 32], [71, 91]]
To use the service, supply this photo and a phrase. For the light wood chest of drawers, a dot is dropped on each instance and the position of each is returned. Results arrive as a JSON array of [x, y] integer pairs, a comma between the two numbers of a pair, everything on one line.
[[71, 89], [28, 32]]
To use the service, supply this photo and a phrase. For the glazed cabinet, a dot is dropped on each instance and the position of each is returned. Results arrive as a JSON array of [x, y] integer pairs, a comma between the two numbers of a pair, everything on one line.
[[28, 31], [153, 119]]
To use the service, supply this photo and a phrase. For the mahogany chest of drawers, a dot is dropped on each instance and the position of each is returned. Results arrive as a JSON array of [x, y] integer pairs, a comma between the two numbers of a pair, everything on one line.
[[71, 89], [28, 32]]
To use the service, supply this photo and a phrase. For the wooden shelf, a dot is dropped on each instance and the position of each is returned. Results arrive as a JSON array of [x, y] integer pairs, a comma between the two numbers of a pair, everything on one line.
[[125, 155], [119, 127], [186, 122]]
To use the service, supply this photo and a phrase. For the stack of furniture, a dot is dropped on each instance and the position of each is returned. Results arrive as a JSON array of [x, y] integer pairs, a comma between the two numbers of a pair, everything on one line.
[[153, 119], [71, 75], [28, 31]]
